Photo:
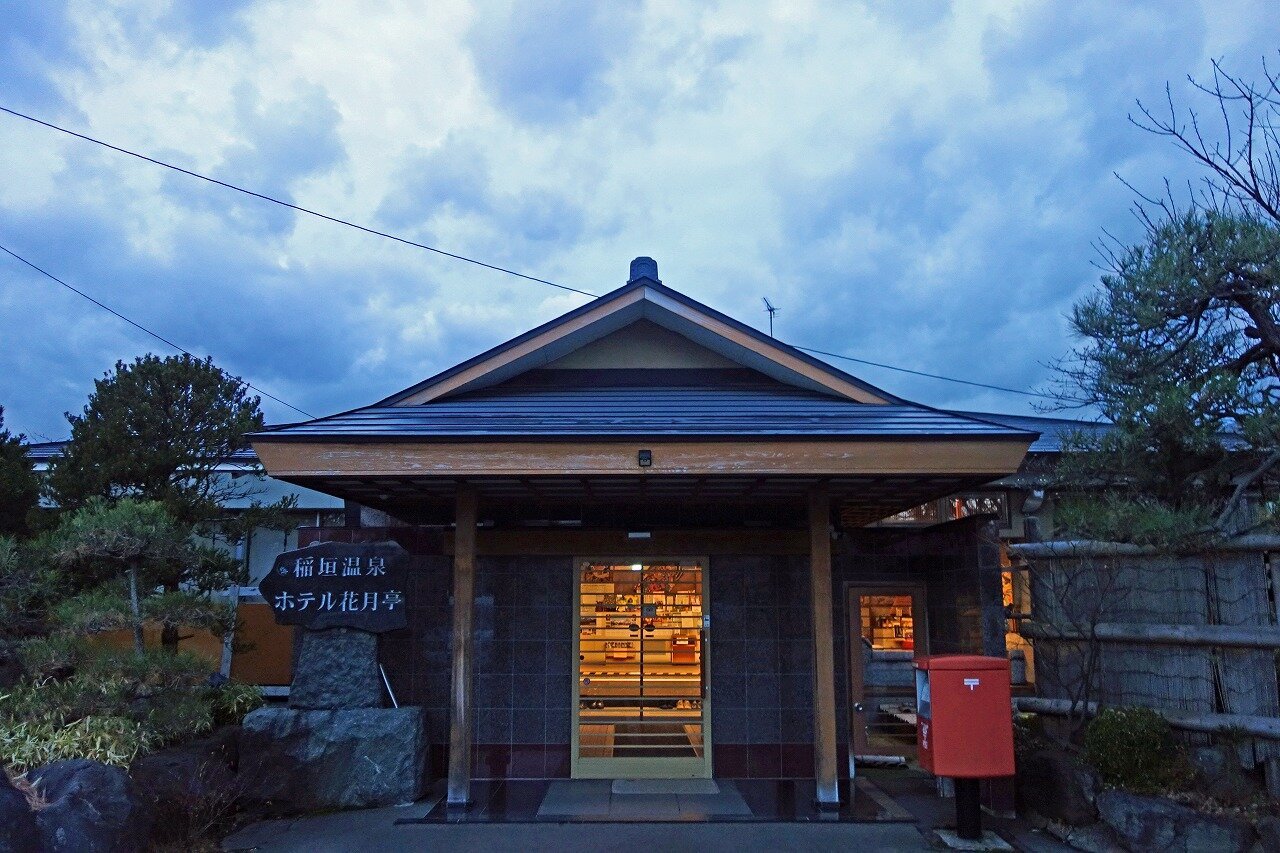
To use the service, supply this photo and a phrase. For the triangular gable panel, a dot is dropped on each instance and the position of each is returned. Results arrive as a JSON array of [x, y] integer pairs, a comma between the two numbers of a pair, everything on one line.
[[640, 304], [639, 346]]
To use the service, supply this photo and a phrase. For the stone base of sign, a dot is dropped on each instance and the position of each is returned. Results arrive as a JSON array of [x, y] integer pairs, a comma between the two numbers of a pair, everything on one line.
[[294, 761], [337, 668]]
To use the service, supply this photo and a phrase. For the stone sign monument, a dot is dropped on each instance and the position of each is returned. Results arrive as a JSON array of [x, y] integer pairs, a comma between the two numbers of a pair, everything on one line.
[[336, 745]]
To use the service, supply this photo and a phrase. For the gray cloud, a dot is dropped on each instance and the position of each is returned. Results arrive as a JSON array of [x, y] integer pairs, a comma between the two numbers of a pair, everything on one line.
[[917, 184], [545, 62]]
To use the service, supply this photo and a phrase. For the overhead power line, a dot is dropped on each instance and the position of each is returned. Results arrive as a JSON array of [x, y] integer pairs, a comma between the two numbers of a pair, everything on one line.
[[406, 241], [292, 206], [936, 375], [138, 325]]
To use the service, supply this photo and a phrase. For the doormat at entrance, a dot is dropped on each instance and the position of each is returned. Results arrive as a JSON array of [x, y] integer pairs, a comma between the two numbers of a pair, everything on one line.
[[653, 800], [665, 786]]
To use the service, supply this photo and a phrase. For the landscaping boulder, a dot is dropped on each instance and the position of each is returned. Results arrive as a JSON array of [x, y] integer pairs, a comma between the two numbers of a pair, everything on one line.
[[337, 668], [92, 808], [18, 830], [1095, 838], [1268, 829], [1219, 775], [1154, 823], [294, 761], [177, 780], [1058, 786]]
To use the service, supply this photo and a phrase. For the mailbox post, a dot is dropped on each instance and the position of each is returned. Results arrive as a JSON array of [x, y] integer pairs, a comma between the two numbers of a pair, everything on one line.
[[964, 727]]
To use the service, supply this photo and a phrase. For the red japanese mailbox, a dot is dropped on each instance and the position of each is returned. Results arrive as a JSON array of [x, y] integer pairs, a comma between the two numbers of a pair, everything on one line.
[[964, 726], [964, 717]]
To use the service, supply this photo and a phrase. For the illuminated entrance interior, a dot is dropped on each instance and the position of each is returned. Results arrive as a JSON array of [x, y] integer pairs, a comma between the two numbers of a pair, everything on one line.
[[641, 698]]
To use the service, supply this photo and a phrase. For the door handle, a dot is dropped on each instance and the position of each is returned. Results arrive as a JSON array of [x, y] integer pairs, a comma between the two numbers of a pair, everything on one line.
[[701, 654]]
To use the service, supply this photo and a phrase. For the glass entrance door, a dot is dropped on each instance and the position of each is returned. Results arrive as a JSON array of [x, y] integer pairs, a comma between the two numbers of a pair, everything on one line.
[[886, 632], [641, 700]]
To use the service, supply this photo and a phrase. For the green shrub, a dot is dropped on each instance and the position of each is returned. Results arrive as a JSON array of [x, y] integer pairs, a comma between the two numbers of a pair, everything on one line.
[[111, 704], [29, 582], [55, 654], [26, 744], [1133, 748], [181, 716], [233, 700], [153, 670], [104, 608]]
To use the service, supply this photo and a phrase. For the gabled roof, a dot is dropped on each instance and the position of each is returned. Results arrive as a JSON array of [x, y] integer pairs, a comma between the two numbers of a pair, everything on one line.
[[643, 299], [739, 383]]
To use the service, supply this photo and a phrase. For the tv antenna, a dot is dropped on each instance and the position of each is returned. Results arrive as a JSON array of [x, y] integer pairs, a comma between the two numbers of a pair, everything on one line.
[[768, 306]]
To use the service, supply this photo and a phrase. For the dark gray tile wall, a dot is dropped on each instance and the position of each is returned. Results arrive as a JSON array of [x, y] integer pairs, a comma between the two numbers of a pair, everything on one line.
[[417, 660], [523, 663], [522, 667], [761, 657]]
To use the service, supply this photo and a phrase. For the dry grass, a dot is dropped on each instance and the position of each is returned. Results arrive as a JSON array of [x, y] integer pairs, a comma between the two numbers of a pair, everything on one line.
[[35, 799]]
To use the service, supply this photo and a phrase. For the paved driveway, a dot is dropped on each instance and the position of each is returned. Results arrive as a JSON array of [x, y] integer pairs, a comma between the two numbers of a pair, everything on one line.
[[375, 830]]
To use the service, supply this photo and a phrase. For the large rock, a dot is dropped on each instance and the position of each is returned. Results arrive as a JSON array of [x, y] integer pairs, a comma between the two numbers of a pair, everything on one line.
[[1095, 838], [192, 778], [1056, 785], [337, 668], [1269, 834], [295, 761], [92, 808], [1218, 774], [19, 832], [1156, 824]]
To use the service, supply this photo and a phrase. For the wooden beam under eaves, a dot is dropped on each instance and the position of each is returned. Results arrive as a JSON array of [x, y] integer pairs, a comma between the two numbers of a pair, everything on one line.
[[972, 457]]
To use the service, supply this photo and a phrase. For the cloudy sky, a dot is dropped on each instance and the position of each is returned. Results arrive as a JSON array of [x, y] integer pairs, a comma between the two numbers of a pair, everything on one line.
[[916, 183]]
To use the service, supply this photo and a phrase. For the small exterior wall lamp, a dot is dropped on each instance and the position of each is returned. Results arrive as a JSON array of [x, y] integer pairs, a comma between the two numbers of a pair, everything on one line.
[[645, 458]]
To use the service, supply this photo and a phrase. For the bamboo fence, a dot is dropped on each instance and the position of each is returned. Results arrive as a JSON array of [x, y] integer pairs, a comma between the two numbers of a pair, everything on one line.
[[1192, 636]]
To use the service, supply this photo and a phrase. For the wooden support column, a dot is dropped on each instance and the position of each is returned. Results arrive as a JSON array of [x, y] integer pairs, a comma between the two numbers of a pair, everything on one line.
[[461, 717], [824, 665]]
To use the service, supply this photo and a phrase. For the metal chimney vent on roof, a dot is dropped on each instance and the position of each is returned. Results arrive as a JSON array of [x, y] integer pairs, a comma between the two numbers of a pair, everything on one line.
[[643, 267]]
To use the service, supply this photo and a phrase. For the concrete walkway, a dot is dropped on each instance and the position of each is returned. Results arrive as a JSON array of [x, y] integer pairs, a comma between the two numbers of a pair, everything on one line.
[[375, 830]]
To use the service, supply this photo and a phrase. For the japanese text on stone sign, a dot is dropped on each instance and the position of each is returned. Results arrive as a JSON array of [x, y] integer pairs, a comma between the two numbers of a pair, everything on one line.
[[346, 601], [305, 567]]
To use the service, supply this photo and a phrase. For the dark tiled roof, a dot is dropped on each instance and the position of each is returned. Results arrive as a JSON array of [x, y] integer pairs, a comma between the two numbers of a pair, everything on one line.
[[45, 450], [696, 406], [1052, 430]]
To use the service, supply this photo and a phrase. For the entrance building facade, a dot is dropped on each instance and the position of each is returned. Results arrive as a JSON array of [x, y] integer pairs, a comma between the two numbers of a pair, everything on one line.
[[641, 547]]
